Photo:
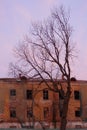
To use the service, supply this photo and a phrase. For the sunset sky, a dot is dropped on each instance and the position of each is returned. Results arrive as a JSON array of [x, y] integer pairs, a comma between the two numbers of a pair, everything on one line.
[[16, 17]]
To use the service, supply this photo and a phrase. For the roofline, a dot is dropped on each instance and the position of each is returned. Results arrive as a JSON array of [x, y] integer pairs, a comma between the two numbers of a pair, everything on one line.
[[37, 79]]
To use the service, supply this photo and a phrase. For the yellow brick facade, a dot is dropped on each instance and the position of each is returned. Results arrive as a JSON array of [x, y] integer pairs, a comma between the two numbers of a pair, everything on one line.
[[20, 104]]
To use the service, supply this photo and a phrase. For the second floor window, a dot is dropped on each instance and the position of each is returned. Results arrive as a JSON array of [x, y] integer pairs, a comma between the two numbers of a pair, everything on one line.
[[76, 95], [45, 94], [12, 92], [29, 94]]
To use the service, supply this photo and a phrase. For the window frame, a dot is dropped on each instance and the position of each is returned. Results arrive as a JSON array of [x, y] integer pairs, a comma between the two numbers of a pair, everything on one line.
[[46, 112], [12, 113], [12, 92], [29, 112]]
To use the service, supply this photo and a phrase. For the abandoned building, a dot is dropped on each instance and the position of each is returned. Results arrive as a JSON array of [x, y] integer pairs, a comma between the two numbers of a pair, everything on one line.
[[25, 102]]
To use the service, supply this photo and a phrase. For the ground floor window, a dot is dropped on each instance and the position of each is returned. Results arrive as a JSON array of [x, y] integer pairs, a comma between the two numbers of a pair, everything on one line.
[[77, 113], [46, 112], [29, 112], [12, 113]]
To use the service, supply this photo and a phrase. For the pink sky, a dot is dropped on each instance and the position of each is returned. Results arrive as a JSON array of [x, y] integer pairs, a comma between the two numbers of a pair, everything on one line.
[[15, 20]]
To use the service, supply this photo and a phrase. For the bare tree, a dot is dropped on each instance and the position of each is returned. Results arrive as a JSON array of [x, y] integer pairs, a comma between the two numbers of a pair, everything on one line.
[[46, 54]]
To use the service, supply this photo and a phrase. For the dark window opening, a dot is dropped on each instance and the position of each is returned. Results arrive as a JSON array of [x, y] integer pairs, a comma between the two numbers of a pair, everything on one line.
[[29, 112], [29, 94], [76, 95], [13, 113], [12, 92], [77, 113], [45, 94]]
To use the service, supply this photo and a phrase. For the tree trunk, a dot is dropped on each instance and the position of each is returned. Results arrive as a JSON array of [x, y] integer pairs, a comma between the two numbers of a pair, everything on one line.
[[64, 112]]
